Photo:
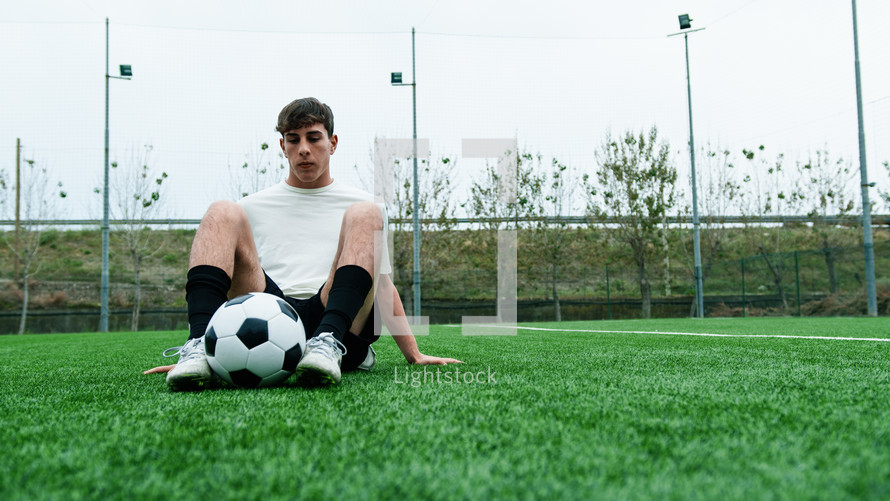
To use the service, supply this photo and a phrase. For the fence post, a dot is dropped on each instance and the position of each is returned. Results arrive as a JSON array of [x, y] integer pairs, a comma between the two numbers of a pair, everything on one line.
[[608, 295], [744, 309], [797, 279]]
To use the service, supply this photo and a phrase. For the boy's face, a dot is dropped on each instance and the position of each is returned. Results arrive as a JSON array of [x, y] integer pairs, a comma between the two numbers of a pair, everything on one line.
[[308, 151]]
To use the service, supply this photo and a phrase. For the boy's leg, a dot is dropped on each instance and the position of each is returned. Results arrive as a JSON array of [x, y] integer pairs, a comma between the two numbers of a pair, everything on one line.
[[347, 295], [223, 263]]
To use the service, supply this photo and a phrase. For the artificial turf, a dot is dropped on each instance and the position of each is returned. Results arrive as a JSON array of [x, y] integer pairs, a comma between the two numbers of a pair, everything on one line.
[[545, 414]]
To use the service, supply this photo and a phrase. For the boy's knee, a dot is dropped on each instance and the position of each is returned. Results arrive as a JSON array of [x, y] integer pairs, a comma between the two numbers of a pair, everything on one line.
[[364, 213], [225, 212]]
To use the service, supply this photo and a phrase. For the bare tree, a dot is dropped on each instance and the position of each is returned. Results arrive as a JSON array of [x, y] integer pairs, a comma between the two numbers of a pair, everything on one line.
[[719, 188], [635, 184], [435, 202], [261, 169], [435, 205], [554, 189], [823, 189], [435, 209], [486, 200], [136, 193], [767, 191], [38, 197]]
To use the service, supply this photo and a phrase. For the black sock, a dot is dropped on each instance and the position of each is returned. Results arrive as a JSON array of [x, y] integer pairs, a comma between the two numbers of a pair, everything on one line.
[[348, 293], [206, 290]]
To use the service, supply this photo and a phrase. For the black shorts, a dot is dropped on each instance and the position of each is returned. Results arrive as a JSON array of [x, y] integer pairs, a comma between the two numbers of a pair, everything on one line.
[[310, 312]]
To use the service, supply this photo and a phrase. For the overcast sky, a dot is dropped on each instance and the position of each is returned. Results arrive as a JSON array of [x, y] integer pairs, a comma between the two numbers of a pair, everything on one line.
[[210, 78]]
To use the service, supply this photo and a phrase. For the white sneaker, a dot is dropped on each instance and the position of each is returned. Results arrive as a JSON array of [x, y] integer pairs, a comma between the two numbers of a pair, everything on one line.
[[192, 372], [320, 365], [370, 360]]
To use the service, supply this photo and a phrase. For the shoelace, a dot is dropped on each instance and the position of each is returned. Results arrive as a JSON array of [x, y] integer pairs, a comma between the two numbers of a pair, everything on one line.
[[326, 342], [185, 351], [172, 352]]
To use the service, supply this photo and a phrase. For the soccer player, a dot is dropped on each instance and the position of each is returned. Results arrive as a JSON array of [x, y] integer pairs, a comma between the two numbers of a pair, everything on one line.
[[309, 240]]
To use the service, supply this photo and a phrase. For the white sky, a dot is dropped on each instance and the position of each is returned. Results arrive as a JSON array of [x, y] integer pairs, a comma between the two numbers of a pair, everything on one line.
[[210, 78]]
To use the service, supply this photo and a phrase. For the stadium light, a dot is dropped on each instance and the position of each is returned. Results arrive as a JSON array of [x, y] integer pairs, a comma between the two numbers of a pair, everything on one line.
[[868, 243], [395, 79], [126, 72], [686, 24]]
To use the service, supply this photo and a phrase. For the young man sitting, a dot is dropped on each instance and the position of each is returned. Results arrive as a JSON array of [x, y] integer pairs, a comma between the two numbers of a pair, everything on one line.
[[309, 240]]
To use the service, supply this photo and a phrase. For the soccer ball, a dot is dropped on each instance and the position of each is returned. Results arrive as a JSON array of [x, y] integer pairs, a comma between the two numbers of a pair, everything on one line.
[[254, 340]]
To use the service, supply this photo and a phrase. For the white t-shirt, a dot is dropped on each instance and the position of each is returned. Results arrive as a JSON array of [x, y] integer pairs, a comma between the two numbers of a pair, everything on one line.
[[297, 231]]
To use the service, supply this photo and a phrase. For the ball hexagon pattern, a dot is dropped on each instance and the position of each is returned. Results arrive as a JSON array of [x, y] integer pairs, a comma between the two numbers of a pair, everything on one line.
[[254, 340]]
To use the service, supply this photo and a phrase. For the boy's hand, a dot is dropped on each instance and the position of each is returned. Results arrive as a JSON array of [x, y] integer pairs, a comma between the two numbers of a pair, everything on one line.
[[163, 368]]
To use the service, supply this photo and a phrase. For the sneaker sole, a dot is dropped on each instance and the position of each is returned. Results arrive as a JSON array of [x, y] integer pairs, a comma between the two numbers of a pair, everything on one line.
[[188, 383], [310, 376]]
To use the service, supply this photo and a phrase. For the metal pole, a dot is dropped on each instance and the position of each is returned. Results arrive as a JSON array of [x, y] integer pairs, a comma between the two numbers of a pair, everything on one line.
[[868, 244], [103, 316], [608, 294], [696, 237], [744, 308], [797, 279], [18, 201], [416, 188]]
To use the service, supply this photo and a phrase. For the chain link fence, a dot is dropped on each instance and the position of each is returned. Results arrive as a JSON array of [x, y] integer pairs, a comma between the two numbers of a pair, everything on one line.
[[65, 290]]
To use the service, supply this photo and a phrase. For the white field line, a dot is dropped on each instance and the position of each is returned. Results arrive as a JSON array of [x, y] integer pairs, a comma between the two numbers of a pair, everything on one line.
[[700, 334]]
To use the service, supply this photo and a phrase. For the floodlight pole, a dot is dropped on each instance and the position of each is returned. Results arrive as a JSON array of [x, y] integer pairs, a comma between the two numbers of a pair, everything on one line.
[[868, 243], [416, 201], [696, 232], [416, 185], [103, 316], [103, 293], [18, 199], [696, 225]]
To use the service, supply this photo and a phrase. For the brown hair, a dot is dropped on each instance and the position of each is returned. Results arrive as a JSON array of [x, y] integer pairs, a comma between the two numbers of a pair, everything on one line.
[[303, 113]]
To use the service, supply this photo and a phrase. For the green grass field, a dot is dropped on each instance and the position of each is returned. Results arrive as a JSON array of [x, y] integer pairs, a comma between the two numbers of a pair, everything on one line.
[[548, 414]]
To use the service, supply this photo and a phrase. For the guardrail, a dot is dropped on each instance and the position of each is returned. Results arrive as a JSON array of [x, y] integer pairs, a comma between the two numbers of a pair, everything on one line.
[[876, 219]]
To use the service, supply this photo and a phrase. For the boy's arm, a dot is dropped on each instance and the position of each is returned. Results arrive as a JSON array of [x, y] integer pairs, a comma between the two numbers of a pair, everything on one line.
[[397, 323]]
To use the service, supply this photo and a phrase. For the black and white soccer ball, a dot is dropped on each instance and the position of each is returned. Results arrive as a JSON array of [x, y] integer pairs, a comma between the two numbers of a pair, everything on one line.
[[254, 340]]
